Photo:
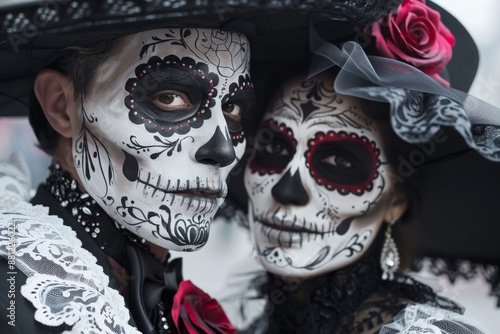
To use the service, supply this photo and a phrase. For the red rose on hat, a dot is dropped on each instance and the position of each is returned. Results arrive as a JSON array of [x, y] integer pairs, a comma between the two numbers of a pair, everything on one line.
[[194, 311], [414, 34]]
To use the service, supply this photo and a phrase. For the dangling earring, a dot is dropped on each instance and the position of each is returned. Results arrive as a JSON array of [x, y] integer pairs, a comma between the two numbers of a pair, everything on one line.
[[389, 258]]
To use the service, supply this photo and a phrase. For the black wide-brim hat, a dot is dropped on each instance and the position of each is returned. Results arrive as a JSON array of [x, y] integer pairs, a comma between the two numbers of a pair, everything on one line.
[[34, 34], [455, 178], [455, 185]]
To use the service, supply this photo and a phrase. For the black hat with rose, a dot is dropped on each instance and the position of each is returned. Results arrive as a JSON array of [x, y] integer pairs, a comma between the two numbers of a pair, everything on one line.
[[36, 34], [408, 60], [456, 202], [415, 53], [421, 60]]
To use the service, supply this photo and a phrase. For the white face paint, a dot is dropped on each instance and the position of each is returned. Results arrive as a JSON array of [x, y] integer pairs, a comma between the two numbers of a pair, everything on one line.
[[160, 131], [318, 183]]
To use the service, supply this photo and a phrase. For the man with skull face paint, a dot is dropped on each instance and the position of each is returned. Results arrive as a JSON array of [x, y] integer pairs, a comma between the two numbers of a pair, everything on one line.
[[144, 124], [147, 149], [164, 105]]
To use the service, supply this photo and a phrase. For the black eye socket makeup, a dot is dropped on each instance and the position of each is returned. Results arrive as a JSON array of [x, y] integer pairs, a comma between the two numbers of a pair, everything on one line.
[[171, 95], [239, 99], [276, 154], [273, 154], [343, 161]]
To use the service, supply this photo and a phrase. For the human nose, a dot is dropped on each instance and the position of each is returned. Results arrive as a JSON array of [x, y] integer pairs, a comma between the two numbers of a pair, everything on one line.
[[218, 150], [289, 190]]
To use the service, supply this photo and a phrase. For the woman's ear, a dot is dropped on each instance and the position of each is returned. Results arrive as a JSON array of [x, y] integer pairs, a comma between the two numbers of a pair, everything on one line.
[[54, 92], [398, 206]]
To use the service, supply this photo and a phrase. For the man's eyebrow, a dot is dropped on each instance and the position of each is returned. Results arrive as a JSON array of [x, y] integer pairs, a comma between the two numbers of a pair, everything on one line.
[[175, 76]]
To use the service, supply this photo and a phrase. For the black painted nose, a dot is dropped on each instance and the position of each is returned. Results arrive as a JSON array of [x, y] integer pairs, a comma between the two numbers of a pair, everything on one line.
[[290, 191], [218, 150]]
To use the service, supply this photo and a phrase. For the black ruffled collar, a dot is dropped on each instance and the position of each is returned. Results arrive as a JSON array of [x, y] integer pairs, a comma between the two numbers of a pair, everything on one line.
[[353, 299], [464, 269], [325, 303]]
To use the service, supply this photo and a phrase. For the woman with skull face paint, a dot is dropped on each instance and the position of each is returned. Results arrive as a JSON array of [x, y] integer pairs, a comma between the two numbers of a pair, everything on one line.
[[322, 198], [325, 190], [140, 105]]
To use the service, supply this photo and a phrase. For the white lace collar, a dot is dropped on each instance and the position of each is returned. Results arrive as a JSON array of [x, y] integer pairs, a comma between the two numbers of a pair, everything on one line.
[[65, 284]]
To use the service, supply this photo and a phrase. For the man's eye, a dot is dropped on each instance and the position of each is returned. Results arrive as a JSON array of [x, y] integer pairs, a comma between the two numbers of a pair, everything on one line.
[[276, 148], [337, 161], [232, 110], [170, 101]]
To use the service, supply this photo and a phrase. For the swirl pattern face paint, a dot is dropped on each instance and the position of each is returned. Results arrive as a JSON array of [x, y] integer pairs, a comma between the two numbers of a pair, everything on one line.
[[319, 185], [159, 131]]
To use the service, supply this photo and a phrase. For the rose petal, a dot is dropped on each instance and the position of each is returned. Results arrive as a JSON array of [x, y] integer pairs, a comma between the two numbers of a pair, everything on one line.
[[187, 326], [415, 34], [194, 311], [196, 314], [434, 16], [380, 42], [403, 10]]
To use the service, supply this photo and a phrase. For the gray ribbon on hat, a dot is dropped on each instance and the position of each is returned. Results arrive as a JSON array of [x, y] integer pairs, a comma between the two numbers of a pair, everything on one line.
[[420, 106]]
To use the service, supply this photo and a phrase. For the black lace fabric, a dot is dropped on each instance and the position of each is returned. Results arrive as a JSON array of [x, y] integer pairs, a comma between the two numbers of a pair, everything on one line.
[[90, 215], [468, 270], [351, 300], [70, 14]]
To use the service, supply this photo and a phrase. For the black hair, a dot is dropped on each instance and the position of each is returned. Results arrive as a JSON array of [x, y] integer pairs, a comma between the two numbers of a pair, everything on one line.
[[79, 64]]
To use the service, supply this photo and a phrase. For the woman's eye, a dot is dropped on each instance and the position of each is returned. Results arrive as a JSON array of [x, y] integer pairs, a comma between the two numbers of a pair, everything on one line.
[[170, 100], [337, 161], [276, 148]]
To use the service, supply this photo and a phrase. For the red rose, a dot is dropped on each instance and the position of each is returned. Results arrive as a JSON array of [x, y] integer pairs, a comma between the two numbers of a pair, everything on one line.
[[415, 34], [195, 312]]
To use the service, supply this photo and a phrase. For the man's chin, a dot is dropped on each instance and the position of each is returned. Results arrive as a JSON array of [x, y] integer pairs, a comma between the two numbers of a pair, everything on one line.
[[184, 248]]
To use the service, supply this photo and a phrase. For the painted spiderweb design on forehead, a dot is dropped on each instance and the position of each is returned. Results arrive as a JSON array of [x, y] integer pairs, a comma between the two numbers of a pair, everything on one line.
[[228, 51], [186, 87], [343, 162]]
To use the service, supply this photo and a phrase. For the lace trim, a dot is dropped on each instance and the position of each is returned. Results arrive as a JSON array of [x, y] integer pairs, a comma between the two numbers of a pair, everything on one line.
[[91, 216], [418, 318], [465, 269], [327, 303], [65, 284], [350, 300]]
